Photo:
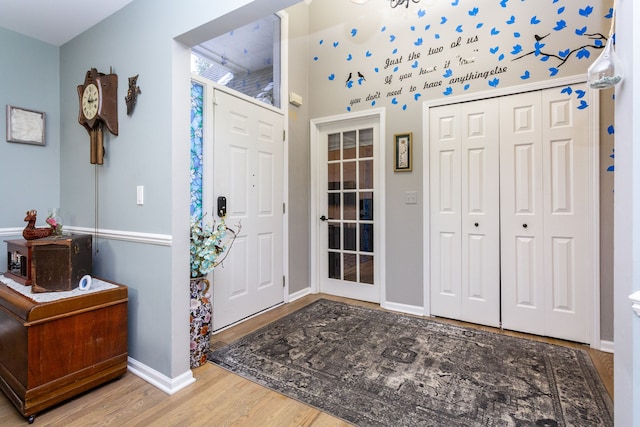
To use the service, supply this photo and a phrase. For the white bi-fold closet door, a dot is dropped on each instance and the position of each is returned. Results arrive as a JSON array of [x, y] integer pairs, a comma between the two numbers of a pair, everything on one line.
[[509, 213], [545, 170], [465, 212]]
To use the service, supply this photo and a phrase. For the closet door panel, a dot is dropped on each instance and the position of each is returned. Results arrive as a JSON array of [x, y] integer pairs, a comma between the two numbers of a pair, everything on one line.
[[480, 212], [445, 202], [521, 213], [566, 220], [526, 277], [523, 174], [448, 284], [561, 182]]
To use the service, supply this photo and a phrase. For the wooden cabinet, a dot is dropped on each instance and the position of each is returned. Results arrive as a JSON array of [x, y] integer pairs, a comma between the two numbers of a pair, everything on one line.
[[52, 351]]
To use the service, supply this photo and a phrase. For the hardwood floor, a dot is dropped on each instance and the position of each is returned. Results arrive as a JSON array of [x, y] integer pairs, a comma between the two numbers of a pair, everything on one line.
[[217, 398]]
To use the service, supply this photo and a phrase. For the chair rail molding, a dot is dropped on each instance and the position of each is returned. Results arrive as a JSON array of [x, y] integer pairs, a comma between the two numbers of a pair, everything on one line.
[[635, 302], [10, 232], [127, 236]]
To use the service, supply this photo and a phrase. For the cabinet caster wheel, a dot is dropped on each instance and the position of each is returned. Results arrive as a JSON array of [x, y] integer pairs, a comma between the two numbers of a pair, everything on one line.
[[31, 419]]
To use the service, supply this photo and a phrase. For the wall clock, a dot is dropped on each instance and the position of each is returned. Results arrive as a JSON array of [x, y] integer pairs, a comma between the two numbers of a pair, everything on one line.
[[98, 104]]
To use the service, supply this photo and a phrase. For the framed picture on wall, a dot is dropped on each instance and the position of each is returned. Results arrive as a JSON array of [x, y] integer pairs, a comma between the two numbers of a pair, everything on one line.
[[402, 152], [25, 126]]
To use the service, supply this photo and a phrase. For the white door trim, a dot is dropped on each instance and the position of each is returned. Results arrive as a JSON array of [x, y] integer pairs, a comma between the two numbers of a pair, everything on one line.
[[284, 91], [377, 114], [593, 188]]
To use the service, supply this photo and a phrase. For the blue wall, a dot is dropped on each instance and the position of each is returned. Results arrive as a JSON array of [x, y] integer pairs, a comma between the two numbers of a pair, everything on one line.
[[30, 174]]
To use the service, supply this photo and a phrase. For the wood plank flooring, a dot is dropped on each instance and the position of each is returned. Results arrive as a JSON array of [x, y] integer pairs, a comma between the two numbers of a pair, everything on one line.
[[217, 398]]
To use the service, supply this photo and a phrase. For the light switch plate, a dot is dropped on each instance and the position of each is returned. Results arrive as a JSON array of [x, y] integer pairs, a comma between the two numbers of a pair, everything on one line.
[[140, 195], [411, 197]]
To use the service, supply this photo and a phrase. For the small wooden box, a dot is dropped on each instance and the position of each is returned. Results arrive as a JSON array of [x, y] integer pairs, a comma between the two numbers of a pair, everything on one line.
[[58, 263]]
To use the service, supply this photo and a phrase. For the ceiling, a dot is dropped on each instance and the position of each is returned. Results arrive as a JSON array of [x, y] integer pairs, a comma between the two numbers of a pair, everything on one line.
[[55, 21], [58, 21]]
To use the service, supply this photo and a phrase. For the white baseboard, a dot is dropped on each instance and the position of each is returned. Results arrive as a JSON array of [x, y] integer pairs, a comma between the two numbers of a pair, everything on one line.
[[297, 295], [159, 380], [607, 346], [288, 299], [403, 308]]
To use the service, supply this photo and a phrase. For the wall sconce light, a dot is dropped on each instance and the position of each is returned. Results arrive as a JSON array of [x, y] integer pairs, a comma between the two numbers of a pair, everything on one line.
[[607, 70]]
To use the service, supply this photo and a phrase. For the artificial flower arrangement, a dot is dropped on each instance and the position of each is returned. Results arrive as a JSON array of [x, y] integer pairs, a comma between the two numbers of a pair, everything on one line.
[[54, 222], [210, 244]]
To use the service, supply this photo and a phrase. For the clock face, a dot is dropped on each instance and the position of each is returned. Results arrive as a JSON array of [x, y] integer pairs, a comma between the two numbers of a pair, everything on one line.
[[90, 101]]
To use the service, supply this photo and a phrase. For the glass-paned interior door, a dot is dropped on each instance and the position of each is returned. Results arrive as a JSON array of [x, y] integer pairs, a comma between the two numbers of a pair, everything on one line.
[[350, 226]]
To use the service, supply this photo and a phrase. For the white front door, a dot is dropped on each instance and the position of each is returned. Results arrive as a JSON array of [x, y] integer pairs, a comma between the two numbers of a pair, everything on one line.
[[349, 207], [465, 208], [248, 169]]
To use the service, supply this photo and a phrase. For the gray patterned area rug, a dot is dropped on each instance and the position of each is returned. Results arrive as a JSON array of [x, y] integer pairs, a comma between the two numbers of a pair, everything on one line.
[[375, 368]]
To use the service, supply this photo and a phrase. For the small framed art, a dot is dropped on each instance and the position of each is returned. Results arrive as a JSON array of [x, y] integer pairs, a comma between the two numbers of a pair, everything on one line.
[[25, 126], [403, 152]]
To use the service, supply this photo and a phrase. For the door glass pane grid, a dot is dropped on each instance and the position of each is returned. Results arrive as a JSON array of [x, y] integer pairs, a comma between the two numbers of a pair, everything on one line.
[[350, 206], [334, 204]]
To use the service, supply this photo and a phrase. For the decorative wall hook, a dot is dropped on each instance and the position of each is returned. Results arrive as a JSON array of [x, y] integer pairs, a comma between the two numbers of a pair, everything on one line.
[[607, 70], [132, 94], [635, 302]]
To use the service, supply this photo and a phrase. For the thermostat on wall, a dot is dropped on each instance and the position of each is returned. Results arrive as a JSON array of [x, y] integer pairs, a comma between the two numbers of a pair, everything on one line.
[[295, 99]]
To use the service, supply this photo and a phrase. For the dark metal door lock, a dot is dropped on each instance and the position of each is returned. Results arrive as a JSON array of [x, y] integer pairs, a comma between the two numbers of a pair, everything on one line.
[[222, 206]]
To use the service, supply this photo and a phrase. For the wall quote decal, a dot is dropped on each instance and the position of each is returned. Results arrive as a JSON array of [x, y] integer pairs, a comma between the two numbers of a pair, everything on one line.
[[446, 49]]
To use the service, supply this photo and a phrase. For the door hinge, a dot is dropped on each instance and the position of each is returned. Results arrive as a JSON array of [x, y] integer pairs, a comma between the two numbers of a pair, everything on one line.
[[284, 135], [284, 208], [283, 281]]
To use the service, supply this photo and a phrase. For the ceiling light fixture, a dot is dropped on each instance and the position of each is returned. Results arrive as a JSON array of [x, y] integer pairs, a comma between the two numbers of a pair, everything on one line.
[[405, 3]]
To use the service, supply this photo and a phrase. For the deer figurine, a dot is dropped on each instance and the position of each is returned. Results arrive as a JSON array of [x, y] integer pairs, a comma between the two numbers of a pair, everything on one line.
[[32, 232]]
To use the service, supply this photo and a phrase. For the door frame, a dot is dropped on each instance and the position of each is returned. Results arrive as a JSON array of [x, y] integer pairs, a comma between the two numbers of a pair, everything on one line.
[[207, 199], [593, 290], [208, 182], [377, 114]]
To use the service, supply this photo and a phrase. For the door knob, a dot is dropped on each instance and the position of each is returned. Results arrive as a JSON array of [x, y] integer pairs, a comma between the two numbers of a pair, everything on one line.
[[323, 218], [476, 224], [524, 225]]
